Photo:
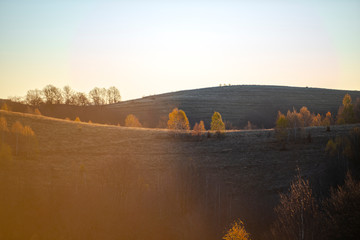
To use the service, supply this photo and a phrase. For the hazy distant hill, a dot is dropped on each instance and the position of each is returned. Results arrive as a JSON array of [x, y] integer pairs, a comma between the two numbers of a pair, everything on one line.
[[237, 104]]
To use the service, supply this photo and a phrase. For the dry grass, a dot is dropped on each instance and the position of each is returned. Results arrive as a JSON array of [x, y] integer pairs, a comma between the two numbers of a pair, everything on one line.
[[106, 182]]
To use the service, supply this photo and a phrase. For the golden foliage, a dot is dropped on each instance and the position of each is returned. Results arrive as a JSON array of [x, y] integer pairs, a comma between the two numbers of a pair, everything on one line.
[[198, 129], [17, 128], [132, 121], [3, 125], [346, 113], [237, 232], [217, 123], [317, 120], [178, 120], [77, 119]]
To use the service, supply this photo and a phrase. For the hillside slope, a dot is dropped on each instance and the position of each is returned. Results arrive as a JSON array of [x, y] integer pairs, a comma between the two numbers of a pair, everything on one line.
[[106, 182], [237, 104]]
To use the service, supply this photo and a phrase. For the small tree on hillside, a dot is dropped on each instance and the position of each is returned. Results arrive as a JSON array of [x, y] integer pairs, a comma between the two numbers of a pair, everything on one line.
[[113, 95], [17, 129], [217, 123], [68, 95], [3, 129], [327, 121], [317, 120], [297, 214], [5, 107], [346, 111], [305, 116], [281, 127], [237, 232], [178, 120], [198, 129], [132, 121]]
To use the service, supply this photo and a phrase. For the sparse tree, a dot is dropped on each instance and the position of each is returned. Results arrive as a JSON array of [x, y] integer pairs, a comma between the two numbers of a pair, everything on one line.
[[217, 123], [98, 96], [113, 95], [132, 121], [237, 232], [80, 99], [52, 95], [294, 121], [178, 120], [68, 95], [327, 121], [34, 97], [198, 129], [342, 211], [297, 214], [17, 129], [316, 120]]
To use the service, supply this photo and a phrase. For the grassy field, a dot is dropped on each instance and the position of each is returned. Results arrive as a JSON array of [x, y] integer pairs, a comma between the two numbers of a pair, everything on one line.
[[92, 181]]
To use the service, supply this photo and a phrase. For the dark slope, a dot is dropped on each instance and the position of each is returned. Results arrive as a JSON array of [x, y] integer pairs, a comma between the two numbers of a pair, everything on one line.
[[237, 104]]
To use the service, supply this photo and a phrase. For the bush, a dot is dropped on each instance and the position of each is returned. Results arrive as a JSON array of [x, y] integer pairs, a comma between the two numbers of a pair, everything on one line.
[[198, 129], [237, 232], [77, 119], [132, 121]]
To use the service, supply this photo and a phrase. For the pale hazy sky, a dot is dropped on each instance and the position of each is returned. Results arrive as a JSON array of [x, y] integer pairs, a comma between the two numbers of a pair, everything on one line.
[[151, 47]]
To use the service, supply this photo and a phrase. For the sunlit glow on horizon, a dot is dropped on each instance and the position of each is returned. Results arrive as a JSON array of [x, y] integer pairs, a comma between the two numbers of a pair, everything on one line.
[[146, 48]]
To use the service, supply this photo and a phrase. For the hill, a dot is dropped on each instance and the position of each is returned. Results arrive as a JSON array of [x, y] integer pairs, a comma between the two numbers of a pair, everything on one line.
[[237, 105], [106, 182]]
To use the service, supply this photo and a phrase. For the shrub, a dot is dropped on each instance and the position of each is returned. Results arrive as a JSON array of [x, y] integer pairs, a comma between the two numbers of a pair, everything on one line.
[[237, 232], [198, 129], [217, 123], [132, 121], [77, 119], [178, 120], [37, 111]]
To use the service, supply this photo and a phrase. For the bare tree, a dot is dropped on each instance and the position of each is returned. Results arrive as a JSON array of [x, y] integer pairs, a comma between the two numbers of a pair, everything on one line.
[[113, 95], [68, 95], [52, 95], [34, 97], [98, 96]]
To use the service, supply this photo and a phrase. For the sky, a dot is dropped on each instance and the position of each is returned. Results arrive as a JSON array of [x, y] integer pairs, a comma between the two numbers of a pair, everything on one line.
[[152, 47]]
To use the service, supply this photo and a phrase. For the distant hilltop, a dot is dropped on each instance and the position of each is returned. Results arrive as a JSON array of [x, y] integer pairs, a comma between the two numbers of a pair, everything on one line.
[[237, 105]]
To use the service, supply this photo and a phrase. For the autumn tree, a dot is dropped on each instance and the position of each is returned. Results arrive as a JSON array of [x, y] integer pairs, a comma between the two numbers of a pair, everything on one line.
[[4, 107], [17, 129], [317, 120], [342, 211], [237, 232], [294, 121], [305, 116], [52, 94], [217, 123], [3, 129], [178, 120], [113, 95], [346, 111], [281, 127], [198, 129], [132, 121], [34, 97], [327, 121], [297, 214]]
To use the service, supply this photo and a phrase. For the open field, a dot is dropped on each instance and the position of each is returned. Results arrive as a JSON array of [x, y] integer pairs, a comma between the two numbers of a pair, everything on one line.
[[96, 181]]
